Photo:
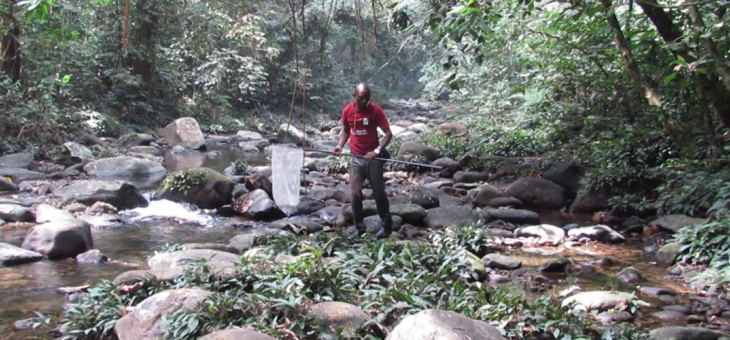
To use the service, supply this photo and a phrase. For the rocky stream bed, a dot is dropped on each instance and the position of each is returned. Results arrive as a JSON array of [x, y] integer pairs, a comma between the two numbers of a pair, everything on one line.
[[69, 224]]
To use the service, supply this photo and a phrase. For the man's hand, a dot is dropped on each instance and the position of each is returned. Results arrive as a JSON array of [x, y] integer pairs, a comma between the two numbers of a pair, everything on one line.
[[337, 150], [370, 155]]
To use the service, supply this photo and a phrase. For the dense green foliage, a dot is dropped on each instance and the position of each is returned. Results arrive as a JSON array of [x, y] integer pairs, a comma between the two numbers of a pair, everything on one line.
[[221, 63], [392, 279]]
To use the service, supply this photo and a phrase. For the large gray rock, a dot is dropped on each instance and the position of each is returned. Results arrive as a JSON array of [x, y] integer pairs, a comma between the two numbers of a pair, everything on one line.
[[685, 333], [120, 194], [6, 185], [237, 334], [125, 166], [413, 150], [485, 193], [146, 322], [667, 254], [290, 135], [538, 193], [600, 233], [131, 277], [16, 160], [12, 255], [15, 213], [339, 315], [48, 213], [257, 205], [410, 213], [544, 234], [18, 175], [432, 324], [184, 132], [676, 222], [449, 128], [453, 216], [60, 239], [597, 300], [221, 263], [518, 216], [470, 177], [78, 152], [202, 187]]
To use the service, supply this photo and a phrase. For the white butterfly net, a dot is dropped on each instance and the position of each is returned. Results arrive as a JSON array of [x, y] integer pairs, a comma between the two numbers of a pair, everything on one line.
[[286, 165]]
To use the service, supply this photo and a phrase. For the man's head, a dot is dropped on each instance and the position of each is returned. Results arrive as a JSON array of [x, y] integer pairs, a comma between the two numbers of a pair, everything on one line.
[[362, 95]]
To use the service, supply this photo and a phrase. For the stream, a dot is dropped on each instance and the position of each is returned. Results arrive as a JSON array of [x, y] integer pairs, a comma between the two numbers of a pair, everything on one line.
[[32, 287]]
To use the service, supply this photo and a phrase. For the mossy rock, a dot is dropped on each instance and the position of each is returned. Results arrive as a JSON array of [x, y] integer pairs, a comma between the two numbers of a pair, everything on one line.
[[203, 187]]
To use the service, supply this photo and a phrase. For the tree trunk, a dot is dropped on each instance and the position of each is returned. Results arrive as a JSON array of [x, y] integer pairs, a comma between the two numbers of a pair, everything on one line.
[[710, 46], [625, 49], [142, 59], [11, 58], [671, 33]]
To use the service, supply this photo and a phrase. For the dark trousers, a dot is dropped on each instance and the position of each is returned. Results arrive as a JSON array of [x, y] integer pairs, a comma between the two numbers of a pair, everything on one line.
[[372, 170]]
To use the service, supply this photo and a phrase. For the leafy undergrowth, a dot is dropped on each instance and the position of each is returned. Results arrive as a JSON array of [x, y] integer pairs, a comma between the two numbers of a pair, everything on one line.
[[387, 279]]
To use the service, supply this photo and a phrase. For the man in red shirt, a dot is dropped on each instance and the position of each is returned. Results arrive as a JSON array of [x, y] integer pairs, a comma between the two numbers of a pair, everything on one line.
[[360, 121]]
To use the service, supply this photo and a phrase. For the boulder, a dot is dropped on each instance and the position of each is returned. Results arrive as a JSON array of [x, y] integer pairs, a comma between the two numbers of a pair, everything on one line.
[[257, 205], [298, 224], [544, 233], [18, 175], [600, 233], [458, 216], [667, 254], [413, 150], [60, 239], [675, 222], [125, 166], [339, 315], [12, 255], [247, 136], [409, 213], [566, 175], [202, 187], [537, 193], [443, 325], [131, 277], [591, 200], [517, 216], [15, 213], [6, 185], [289, 134], [502, 262], [48, 213], [221, 263], [119, 194], [146, 321], [597, 300], [16, 160], [77, 152], [685, 333], [485, 193], [470, 177], [236, 334], [452, 129], [184, 132]]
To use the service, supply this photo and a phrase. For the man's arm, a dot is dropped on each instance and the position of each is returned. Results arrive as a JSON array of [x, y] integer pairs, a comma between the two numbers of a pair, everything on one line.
[[345, 133], [386, 139]]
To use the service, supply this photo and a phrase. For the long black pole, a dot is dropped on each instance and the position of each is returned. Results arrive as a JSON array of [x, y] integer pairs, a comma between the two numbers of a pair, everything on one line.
[[378, 158]]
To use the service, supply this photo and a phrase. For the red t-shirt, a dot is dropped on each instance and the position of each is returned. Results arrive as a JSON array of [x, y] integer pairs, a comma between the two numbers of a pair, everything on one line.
[[362, 126]]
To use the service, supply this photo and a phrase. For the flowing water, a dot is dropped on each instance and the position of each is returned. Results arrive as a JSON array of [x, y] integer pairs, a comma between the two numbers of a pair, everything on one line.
[[32, 287]]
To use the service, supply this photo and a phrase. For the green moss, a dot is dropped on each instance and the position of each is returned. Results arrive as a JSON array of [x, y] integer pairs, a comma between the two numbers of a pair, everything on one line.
[[183, 180]]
